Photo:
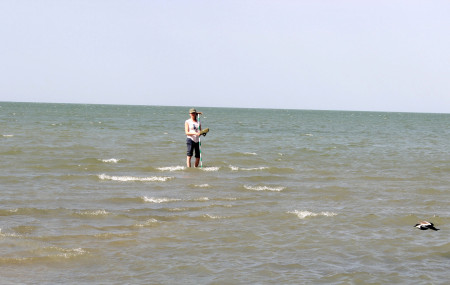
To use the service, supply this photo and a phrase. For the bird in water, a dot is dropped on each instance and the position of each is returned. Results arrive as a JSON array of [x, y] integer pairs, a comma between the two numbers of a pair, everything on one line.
[[424, 225]]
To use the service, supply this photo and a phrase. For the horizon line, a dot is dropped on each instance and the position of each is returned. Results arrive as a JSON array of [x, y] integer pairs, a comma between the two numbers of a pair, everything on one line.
[[228, 107]]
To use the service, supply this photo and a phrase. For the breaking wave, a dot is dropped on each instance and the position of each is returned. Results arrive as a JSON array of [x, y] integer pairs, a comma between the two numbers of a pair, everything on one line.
[[159, 200], [214, 217], [236, 168], [172, 168], [202, 199], [264, 188], [133, 178], [306, 214], [110, 160], [210, 168], [93, 213], [148, 222]]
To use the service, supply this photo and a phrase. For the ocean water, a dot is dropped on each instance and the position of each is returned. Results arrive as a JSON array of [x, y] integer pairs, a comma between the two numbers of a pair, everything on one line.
[[99, 194]]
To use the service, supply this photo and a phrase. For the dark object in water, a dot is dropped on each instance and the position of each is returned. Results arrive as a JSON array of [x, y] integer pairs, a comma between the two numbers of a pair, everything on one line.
[[424, 225]]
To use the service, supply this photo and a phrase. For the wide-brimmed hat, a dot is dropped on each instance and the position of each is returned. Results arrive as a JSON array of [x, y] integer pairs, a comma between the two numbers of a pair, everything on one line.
[[192, 111]]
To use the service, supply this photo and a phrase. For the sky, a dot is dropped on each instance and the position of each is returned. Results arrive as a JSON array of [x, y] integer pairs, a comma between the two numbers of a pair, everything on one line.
[[383, 55]]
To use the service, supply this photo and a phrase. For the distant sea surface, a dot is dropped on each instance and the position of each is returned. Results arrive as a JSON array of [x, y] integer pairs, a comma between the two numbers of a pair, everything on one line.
[[99, 194]]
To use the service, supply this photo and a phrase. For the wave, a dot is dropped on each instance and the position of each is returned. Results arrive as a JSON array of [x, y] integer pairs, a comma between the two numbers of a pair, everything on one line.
[[111, 235], [7, 136], [202, 185], [23, 229], [124, 200], [159, 200], [172, 168], [211, 168], [51, 212], [8, 212], [34, 211], [14, 151], [201, 199], [44, 255], [236, 168], [276, 170], [240, 154], [9, 234], [69, 252], [93, 213], [149, 222], [214, 217], [306, 214], [264, 188], [168, 200], [133, 178], [110, 160]]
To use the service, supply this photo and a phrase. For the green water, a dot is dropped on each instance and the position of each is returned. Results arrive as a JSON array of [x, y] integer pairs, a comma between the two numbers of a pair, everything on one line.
[[100, 194]]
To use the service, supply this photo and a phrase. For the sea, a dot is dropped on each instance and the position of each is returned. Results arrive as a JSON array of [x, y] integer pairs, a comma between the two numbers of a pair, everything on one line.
[[100, 194]]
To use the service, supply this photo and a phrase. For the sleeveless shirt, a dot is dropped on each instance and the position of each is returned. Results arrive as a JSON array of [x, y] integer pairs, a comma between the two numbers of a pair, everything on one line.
[[193, 126]]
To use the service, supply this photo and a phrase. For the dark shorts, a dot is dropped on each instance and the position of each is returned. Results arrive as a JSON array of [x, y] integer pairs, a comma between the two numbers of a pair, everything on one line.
[[191, 146]]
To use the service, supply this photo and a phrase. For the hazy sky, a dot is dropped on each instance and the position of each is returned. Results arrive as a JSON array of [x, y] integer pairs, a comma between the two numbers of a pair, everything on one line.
[[326, 55]]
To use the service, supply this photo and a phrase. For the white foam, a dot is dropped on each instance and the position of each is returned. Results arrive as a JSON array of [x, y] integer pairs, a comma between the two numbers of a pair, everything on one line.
[[213, 217], [158, 200], [202, 185], [255, 168], [230, 199], [264, 188], [177, 209], [94, 213], [68, 253], [210, 168], [147, 223], [8, 136], [250, 153], [236, 168], [111, 160], [172, 168], [305, 214], [10, 235], [201, 199], [132, 178]]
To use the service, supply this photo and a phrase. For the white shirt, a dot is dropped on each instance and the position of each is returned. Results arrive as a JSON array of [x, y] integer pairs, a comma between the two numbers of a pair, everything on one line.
[[193, 126]]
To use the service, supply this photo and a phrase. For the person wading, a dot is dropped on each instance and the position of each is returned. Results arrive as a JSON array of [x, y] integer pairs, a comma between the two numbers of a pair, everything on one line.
[[192, 128]]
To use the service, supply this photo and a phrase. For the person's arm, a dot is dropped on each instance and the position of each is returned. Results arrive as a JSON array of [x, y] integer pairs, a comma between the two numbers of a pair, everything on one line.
[[186, 128]]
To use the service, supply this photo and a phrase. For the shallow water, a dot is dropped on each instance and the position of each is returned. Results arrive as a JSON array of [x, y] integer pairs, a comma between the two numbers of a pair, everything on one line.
[[100, 194]]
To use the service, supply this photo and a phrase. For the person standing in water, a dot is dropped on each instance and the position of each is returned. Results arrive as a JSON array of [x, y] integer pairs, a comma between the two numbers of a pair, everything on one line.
[[192, 128]]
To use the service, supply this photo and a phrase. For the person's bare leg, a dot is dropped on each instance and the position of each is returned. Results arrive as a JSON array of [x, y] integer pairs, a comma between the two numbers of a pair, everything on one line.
[[188, 161], [197, 160]]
